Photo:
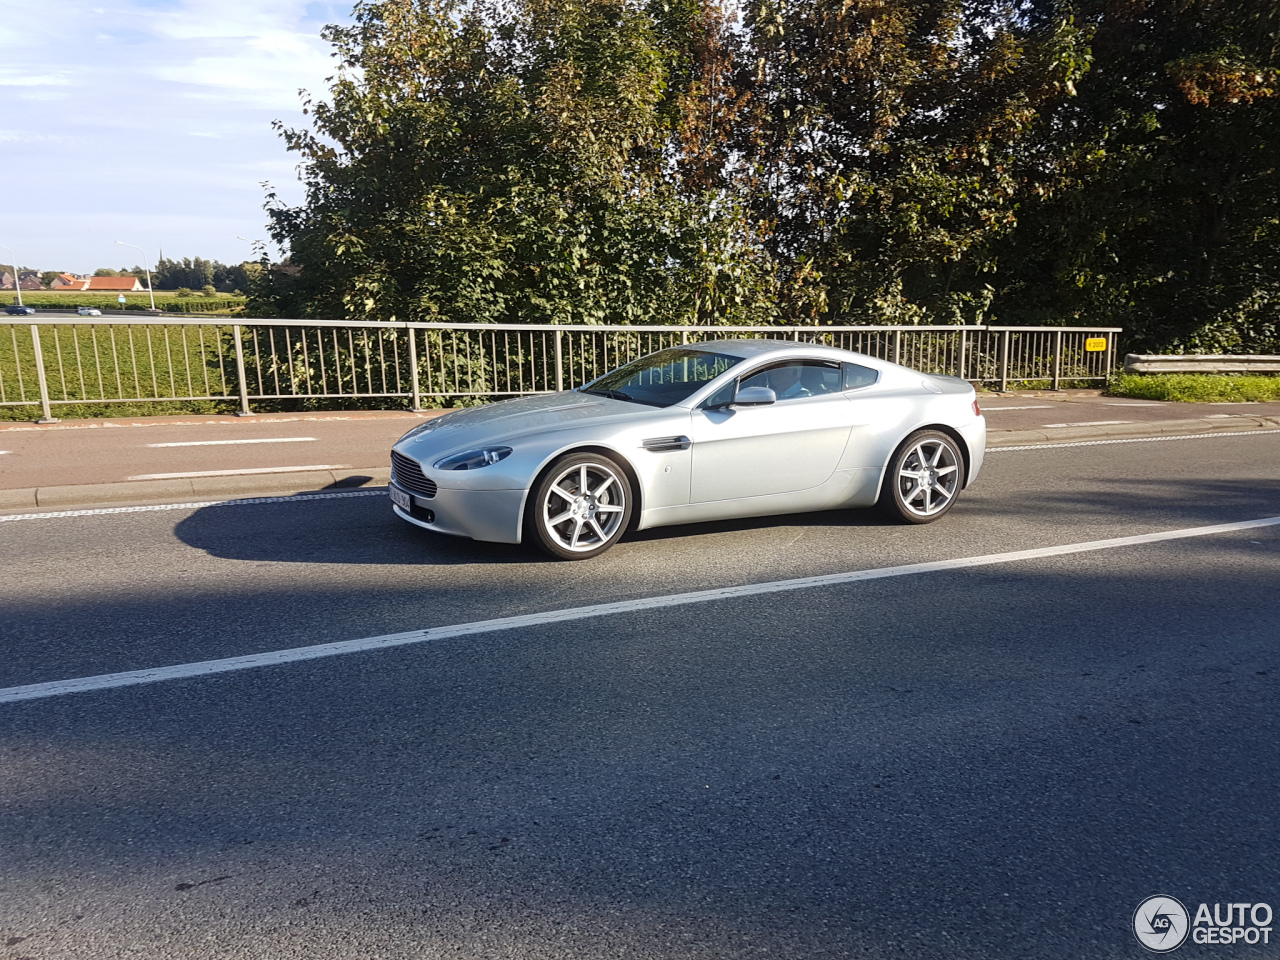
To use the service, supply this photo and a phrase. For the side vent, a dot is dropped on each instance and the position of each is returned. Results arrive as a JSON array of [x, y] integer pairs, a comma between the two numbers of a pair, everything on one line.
[[663, 444]]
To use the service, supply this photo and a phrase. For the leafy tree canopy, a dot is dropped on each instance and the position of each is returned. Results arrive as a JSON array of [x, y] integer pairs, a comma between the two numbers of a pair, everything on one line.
[[515, 164], [589, 161], [1169, 220]]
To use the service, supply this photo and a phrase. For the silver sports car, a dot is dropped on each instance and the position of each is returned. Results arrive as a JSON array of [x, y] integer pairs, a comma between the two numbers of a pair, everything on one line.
[[709, 431]]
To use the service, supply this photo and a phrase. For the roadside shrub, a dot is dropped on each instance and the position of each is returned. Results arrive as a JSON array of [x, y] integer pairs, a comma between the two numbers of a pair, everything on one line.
[[1196, 387]]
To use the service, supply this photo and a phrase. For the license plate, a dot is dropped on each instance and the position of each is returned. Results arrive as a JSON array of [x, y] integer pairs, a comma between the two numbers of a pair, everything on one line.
[[400, 498]]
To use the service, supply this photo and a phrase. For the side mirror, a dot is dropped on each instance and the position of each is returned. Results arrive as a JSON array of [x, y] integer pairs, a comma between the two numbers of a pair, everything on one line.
[[755, 397]]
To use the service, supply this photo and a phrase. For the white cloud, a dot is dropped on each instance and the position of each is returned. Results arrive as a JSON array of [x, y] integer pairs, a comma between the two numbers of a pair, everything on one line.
[[11, 77], [23, 136], [168, 104]]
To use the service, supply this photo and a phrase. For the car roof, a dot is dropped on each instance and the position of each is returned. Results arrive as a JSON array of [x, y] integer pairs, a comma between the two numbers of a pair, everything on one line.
[[751, 349]]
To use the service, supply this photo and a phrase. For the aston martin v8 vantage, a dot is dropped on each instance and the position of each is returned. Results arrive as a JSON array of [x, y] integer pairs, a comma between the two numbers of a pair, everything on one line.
[[708, 431]]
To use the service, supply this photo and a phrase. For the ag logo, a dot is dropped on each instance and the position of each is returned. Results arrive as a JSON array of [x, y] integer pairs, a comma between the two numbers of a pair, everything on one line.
[[1161, 924]]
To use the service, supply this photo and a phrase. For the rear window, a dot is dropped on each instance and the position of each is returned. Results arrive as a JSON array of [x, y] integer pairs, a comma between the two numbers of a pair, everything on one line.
[[857, 376]]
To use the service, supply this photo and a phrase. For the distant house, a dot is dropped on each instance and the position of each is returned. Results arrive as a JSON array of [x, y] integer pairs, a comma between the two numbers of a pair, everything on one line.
[[65, 281], [29, 280], [114, 284]]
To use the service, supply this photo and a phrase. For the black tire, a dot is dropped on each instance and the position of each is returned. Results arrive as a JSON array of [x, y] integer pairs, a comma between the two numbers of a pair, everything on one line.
[[924, 478], [587, 525]]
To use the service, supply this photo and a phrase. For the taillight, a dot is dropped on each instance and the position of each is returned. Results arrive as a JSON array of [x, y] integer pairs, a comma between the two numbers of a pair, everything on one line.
[[976, 411]]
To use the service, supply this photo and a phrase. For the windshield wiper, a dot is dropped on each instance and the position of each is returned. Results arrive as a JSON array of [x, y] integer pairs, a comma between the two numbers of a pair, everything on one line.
[[619, 395], [615, 394]]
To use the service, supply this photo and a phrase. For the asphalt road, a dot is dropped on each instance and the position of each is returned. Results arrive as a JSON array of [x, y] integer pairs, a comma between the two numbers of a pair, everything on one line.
[[995, 762]]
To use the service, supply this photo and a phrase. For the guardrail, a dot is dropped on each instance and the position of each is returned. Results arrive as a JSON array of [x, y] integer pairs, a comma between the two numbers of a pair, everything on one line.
[[1201, 363], [318, 362]]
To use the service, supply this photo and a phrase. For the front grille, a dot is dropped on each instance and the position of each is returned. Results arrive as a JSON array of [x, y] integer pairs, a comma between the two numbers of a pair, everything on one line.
[[408, 474]]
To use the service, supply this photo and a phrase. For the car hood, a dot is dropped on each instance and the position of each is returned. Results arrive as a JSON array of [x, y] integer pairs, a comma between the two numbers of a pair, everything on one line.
[[509, 420]]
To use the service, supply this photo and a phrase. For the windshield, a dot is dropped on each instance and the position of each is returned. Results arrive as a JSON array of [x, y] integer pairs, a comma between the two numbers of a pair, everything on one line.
[[662, 378]]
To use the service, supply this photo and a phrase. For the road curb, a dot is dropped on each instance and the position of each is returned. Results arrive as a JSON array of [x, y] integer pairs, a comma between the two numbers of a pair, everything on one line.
[[192, 488], [1156, 428]]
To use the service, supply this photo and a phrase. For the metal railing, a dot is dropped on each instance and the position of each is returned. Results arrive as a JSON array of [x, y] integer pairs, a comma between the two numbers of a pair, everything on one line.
[[69, 361]]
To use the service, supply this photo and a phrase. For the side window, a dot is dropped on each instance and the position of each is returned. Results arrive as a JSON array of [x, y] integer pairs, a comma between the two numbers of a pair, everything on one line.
[[856, 376], [760, 379], [798, 378]]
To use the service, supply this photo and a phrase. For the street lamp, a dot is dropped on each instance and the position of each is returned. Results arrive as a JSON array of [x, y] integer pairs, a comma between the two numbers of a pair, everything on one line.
[[17, 281], [147, 264]]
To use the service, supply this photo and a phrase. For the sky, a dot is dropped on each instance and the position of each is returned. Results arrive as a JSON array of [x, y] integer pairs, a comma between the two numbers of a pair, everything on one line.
[[149, 121]]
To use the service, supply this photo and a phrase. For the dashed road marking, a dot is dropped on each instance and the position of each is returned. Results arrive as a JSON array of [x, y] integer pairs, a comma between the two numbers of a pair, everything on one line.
[[1090, 423], [228, 443]]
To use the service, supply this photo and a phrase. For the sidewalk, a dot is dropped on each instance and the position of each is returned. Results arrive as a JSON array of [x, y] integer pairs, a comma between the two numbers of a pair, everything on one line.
[[155, 459]]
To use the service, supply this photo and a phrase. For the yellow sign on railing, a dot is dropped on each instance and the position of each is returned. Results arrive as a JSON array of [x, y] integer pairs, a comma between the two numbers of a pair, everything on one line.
[[1095, 344]]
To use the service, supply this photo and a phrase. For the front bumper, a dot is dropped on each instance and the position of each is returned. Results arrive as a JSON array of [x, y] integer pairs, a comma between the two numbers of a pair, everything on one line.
[[492, 515]]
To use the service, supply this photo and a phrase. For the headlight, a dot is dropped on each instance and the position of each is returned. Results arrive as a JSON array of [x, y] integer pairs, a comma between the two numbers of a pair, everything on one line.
[[474, 459]]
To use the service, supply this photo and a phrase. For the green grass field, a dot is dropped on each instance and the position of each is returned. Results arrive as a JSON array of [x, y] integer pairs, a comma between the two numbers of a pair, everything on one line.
[[107, 370], [1196, 387]]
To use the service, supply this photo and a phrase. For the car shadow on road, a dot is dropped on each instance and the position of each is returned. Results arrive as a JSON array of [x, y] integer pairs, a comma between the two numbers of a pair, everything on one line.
[[358, 530], [363, 530]]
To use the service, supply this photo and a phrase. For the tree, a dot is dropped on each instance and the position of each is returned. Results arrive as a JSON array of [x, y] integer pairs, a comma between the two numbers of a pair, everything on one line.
[[199, 273], [1170, 217], [586, 161], [891, 140], [523, 163]]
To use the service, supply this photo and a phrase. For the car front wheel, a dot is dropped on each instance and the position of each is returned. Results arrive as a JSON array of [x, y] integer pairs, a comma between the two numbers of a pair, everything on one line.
[[581, 506], [924, 477]]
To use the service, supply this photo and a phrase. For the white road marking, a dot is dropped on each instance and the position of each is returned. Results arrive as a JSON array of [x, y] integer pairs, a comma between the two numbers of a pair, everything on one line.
[[238, 473], [227, 443], [1038, 406], [1132, 403], [193, 505], [1098, 443], [1089, 423], [56, 688]]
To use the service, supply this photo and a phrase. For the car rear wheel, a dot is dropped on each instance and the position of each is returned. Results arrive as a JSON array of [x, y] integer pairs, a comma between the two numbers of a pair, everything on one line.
[[580, 507], [924, 478]]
